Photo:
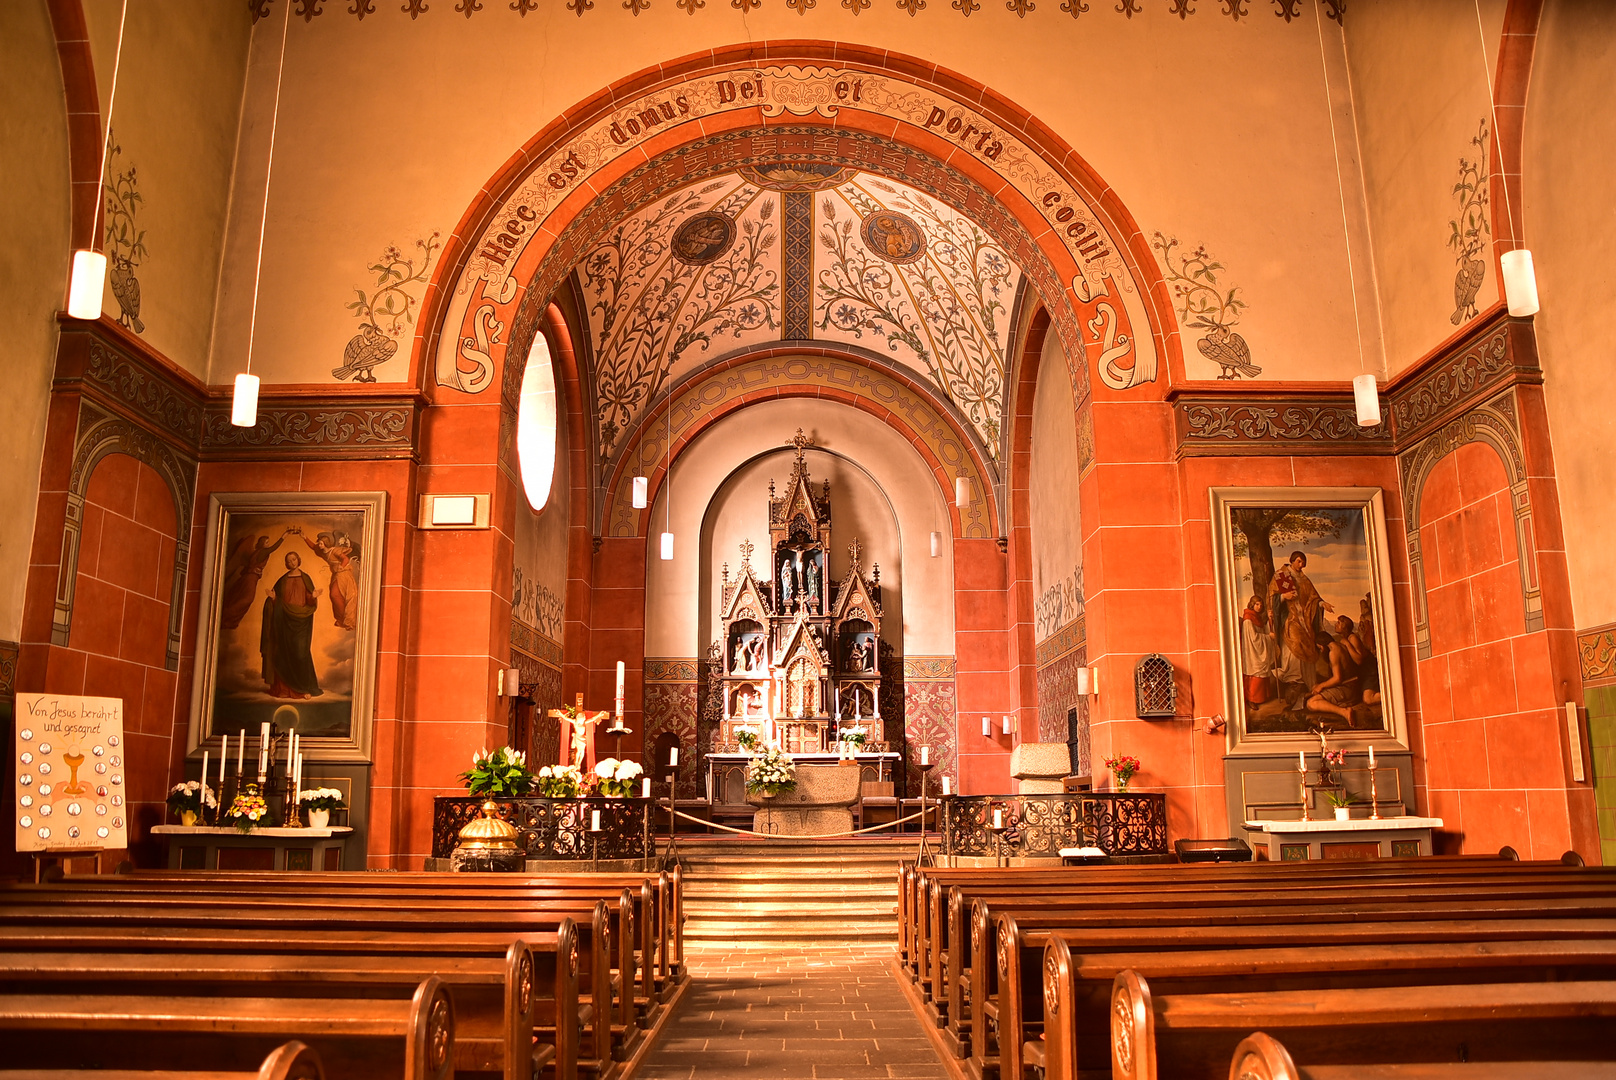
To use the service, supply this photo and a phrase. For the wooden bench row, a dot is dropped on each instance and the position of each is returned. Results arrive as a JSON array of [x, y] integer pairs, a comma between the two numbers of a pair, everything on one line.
[[983, 986], [556, 976]]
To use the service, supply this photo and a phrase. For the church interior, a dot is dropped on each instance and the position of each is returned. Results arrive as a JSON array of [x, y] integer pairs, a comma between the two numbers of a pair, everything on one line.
[[1163, 422]]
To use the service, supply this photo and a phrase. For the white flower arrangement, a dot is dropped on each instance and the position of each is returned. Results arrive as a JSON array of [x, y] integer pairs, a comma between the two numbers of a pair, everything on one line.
[[616, 778], [771, 771], [560, 781], [320, 798], [191, 795]]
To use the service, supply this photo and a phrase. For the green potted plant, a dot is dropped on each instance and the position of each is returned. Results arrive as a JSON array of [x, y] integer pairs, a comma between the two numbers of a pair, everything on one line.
[[747, 739], [502, 774], [1342, 801]]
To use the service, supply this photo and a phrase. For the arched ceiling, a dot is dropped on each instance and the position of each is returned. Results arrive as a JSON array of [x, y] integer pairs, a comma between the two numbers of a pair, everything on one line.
[[796, 252]]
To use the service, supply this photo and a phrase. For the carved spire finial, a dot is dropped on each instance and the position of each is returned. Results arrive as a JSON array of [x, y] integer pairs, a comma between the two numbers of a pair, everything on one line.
[[801, 442], [746, 554], [853, 551]]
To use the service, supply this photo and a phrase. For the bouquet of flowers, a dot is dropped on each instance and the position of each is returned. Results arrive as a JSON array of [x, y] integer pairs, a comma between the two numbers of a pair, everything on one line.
[[248, 809], [1335, 758], [190, 797], [852, 736], [614, 778], [559, 782], [320, 798], [502, 774], [1123, 766], [747, 738], [771, 772]]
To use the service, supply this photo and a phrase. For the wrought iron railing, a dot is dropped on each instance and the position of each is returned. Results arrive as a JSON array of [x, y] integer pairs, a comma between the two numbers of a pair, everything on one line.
[[555, 828], [1118, 823]]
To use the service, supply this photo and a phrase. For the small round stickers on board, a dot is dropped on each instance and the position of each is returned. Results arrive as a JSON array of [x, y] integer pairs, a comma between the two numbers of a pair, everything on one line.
[[69, 760]]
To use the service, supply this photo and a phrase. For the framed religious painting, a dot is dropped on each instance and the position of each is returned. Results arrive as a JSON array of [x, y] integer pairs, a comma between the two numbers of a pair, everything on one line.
[[1307, 628], [291, 583]]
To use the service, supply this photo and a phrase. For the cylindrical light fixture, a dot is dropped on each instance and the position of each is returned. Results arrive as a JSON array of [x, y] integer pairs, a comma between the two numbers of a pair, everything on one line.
[[987, 727], [936, 544], [244, 402], [513, 682], [642, 492], [667, 547], [1366, 396], [962, 491], [1007, 725], [87, 285], [1082, 682], [1520, 282]]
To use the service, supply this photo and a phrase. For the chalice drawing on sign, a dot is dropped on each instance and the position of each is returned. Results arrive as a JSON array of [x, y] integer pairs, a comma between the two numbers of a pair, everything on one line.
[[73, 759]]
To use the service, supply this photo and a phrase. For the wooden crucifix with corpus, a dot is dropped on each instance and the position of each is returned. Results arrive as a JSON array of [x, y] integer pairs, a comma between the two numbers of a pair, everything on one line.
[[577, 727]]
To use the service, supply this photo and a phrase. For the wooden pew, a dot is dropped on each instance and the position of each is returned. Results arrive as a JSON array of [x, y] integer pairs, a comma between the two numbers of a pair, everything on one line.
[[289, 1061], [1191, 1035], [1261, 1057], [387, 1038], [357, 925], [1078, 988], [496, 1001]]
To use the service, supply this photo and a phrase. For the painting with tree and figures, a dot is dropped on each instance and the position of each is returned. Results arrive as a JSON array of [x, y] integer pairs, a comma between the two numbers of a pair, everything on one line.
[[288, 616], [1304, 590]]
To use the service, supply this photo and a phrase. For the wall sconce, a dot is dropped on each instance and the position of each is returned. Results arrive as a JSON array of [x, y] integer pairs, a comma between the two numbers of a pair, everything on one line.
[[1009, 725], [509, 683], [1088, 682], [987, 728]]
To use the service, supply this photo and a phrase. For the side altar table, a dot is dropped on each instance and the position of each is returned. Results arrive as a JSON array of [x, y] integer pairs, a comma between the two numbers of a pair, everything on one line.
[[1355, 838], [208, 847]]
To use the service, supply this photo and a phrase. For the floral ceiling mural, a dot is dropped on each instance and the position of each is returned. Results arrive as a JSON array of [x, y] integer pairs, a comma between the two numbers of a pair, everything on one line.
[[797, 252]]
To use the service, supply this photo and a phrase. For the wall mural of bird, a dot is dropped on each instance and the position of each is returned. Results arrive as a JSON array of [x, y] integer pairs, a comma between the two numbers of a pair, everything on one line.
[[1466, 284], [1229, 351], [366, 350], [126, 289]]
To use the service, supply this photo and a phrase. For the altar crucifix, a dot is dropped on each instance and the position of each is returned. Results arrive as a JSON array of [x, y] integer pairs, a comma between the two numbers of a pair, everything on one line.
[[577, 726]]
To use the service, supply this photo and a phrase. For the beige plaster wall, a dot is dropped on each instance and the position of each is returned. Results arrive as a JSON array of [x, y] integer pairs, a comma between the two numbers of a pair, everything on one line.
[[175, 119], [1420, 93], [1057, 536], [880, 491], [34, 260], [1570, 195], [390, 126]]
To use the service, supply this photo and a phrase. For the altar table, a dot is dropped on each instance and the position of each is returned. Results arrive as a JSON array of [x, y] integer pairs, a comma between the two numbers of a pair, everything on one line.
[[726, 775], [206, 847], [1355, 838]]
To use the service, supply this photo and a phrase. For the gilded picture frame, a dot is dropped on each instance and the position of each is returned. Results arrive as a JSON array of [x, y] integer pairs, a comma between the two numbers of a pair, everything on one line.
[[287, 632], [1307, 626]]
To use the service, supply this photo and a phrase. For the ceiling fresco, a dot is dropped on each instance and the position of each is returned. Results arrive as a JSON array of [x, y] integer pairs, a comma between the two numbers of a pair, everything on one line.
[[797, 252]]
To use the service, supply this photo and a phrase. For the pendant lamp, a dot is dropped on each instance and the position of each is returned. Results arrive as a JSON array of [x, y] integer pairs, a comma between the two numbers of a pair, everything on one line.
[[1366, 397], [1520, 279], [87, 285], [642, 491]]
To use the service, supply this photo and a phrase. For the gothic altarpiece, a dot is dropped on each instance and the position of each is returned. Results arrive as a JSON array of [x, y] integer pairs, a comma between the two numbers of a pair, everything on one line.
[[799, 660]]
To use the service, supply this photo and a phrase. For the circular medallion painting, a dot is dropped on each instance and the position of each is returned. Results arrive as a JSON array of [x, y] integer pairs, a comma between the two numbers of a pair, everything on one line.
[[703, 238], [893, 237]]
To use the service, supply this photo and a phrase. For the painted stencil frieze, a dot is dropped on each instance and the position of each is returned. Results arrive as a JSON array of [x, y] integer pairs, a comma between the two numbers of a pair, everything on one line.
[[386, 309], [504, 261]]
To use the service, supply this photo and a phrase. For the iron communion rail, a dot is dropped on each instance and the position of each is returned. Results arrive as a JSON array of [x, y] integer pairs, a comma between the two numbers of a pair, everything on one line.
[[556, 828]]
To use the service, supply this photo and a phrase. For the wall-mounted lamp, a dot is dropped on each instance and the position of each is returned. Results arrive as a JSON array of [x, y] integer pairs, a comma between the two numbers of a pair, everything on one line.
[[1088, 682], [1008, 725], [987, 727], [509, 683]]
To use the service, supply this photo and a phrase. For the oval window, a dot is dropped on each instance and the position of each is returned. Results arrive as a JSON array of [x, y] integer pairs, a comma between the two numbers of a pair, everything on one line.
[[536, 425]]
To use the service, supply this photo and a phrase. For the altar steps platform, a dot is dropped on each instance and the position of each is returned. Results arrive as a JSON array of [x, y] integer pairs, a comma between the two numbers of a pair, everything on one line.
[[777, 889]]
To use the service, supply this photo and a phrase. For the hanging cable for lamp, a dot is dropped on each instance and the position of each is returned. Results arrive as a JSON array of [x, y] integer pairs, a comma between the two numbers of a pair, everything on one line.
[[244, 399], [1365, 392], [1520, 279], [87, 285]]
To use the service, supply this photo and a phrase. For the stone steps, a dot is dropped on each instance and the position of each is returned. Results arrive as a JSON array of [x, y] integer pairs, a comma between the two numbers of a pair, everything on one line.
[[783, 890]]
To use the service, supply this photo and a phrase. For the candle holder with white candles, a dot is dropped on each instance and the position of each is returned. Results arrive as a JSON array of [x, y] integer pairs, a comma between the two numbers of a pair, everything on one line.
[[924, 857]]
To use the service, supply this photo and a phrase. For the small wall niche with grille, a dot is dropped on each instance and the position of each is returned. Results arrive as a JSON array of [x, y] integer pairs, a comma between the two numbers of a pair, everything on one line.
[[1154, 693]]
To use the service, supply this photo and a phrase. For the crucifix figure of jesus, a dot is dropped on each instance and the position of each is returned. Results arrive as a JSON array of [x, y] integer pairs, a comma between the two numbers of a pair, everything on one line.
[[578, 727]]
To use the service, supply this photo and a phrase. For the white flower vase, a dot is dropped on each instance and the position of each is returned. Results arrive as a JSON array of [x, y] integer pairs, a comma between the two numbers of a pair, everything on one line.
[[1343, 813], [319, 819]]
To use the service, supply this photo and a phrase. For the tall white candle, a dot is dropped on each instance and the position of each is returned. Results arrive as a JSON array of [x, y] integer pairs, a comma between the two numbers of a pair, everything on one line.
[[925, 756], [241, 749], [297, 779], [224, 755], [1371, 757], [998, 818], [947, 785], [594, 821], [204, 769], [263, 738], [291, 750], [645, 788], [620, 688], [1301, 761], [673, 757]]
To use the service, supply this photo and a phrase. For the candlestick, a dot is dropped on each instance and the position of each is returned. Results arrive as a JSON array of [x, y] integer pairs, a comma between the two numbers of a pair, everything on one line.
[[1374, 796], [1301, 778]]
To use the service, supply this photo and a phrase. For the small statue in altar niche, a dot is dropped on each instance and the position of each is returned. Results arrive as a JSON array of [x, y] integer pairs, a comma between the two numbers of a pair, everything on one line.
[[812, 589], [855, 658], [754, 655], [786, 576]]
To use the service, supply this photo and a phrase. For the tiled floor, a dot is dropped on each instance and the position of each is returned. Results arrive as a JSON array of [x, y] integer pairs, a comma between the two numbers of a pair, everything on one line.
[[792, 1012]]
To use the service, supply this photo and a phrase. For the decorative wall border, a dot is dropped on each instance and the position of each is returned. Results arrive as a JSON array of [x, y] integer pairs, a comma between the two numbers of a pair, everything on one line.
[[1496, 423], [336, 426], [1074, 635], [1596, 653], [677, 669], [928, 668], [1298, 419], [9, 651], [527, 639]]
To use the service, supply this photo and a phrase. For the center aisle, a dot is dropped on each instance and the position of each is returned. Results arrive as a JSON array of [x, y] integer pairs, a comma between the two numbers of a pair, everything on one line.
[[819, 1011]]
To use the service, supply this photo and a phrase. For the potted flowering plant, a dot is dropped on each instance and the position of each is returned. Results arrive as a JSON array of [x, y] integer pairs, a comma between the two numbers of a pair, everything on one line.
[[502, 774], [770, 772], [187, 800], [1123, 766], [248, 809], [615, 779], [559, 782], [319, 802], [1341, 802], [747, 739], [855, 737]]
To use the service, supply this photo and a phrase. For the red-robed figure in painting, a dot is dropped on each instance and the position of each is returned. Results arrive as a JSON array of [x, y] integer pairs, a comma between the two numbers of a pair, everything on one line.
[[288, 632]]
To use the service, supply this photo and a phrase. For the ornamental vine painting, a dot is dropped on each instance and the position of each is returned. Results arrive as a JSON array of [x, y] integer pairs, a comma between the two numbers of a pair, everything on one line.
[[1203, 305], [125, 241], [1467, 231], [387, 312]]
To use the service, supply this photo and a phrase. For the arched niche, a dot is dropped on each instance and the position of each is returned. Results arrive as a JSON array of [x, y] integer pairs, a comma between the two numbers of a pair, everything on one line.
[[882, 492]]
